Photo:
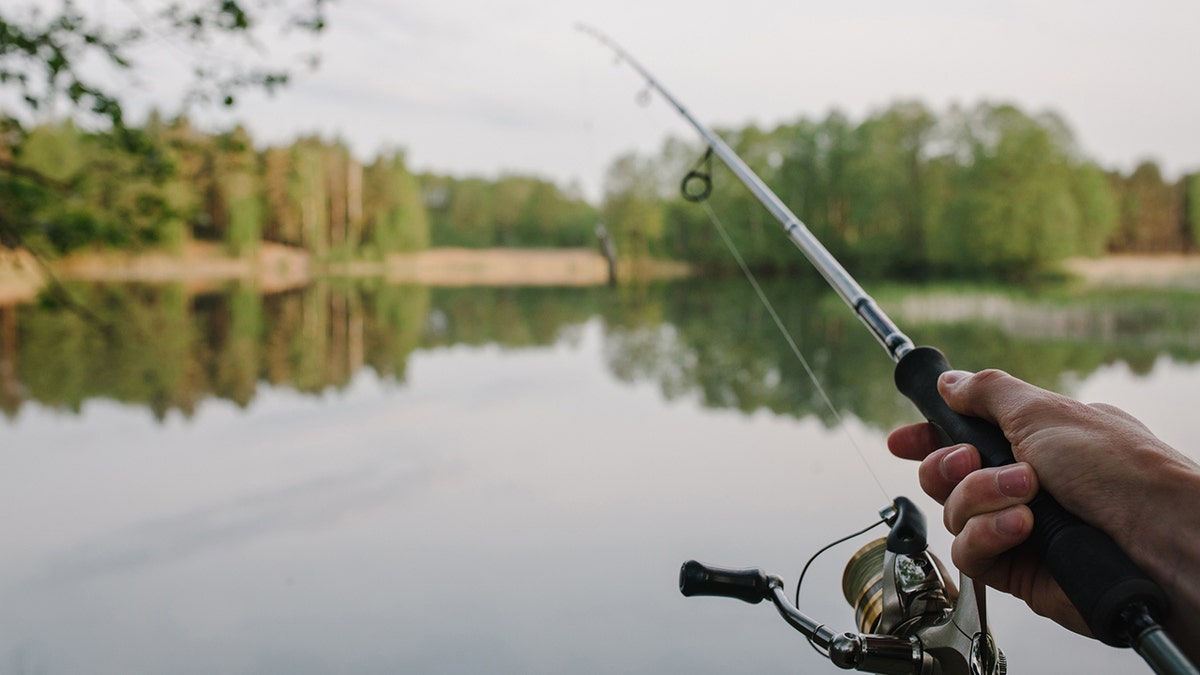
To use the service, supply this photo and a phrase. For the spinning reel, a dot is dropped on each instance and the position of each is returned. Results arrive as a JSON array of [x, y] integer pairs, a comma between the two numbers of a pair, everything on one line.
[[912, 618]]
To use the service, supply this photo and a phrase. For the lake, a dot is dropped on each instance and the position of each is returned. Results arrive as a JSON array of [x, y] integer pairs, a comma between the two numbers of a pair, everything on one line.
[[367, 478]]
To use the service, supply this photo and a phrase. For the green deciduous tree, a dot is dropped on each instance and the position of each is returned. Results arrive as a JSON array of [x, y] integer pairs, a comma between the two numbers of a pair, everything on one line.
[[61, 61], [240, 183], [1012, 206], [395, 213], [1191, 189], [1150, 218], [513, 210], [632, 207], [985, 190], [885, 207], [1097, 209]]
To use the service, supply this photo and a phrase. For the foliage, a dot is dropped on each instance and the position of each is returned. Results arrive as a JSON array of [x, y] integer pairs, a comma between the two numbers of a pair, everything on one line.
[[104, 181], [51, 57], [68, 188], [397, 218], [1150, 212], [1191, 185], [631, 199], [987, 190], [513, 210]]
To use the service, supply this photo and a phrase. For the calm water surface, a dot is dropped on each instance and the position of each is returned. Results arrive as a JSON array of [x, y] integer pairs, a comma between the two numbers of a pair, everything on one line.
[[362, 478]]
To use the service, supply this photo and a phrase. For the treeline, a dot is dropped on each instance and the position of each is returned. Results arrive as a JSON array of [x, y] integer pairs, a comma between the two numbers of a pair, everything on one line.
[[63, 188], [905, 192], [910, 192]]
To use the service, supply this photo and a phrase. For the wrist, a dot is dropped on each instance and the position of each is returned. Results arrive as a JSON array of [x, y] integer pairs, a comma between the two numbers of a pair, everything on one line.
[[1169, 546]]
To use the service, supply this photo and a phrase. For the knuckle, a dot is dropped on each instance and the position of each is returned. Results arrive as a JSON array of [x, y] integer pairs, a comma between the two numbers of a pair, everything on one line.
[[961, 505], [965, 555], [931, 483], [979, 496], [990, 376], [949, 522]]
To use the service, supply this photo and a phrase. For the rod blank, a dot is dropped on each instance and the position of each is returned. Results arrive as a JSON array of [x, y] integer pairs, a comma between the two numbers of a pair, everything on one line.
[[881, 326]]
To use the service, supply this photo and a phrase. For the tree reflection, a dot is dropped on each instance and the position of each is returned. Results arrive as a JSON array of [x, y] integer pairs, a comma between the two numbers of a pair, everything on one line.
[[168, 349], [715, 340]]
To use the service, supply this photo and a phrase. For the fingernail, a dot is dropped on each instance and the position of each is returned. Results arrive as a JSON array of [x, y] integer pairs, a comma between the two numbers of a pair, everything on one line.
[[1013, 481], [957, 464], [1010, 522], [952, 376]]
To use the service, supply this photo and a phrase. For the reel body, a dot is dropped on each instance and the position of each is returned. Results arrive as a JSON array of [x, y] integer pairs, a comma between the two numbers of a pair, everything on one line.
[[912, 619]]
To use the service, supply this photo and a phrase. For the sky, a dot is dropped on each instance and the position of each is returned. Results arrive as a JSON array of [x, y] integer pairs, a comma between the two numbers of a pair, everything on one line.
[[489, 86]]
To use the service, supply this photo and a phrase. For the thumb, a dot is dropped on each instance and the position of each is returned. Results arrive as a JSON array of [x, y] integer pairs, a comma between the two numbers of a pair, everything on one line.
[[992, 395], [1016, 406]]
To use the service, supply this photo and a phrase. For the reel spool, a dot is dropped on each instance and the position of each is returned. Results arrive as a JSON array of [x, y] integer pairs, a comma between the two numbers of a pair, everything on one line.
[[862, 585]]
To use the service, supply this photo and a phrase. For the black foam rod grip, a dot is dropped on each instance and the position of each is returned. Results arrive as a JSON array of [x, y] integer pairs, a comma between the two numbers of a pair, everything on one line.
[[751, 585], [1096, 575]]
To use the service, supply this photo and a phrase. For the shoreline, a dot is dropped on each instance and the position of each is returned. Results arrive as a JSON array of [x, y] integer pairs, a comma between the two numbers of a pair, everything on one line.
[[1164, 270], [273, 268]]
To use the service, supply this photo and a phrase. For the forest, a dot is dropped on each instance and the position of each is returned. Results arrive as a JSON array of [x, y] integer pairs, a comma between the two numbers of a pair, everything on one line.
[[909, 192], [66, 188], [906, 192]]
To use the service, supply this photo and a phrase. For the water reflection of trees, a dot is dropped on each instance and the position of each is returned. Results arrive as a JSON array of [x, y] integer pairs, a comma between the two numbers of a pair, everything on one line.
[[160, 347], [166, 349], [714, 340]]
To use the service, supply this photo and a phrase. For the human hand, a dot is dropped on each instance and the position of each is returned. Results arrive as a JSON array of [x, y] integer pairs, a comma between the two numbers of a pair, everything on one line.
[[1098, 461]]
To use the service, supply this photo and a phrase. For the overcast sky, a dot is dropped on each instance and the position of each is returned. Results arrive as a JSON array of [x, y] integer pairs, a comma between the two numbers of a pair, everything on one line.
[[483, 86]]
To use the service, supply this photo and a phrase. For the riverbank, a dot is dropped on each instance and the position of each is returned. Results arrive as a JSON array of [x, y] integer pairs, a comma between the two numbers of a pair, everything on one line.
[[20, 276], [1153, 271], [202, 265], [505, 267]]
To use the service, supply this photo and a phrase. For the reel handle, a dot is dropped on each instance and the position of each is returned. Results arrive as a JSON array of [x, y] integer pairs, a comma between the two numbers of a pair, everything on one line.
[[750, 585], [1097, 576]]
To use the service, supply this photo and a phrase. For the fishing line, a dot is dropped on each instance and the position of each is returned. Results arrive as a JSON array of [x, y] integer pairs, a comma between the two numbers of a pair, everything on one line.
[[812, 376], [830, 545], [702, 172], [826, 547]]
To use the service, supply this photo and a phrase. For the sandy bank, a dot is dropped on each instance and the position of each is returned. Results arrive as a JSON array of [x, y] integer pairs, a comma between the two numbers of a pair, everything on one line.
[[274, 267], [200, 266], [20, 276], [514, 266], [495, 267], [203, 265], [1156, 271]]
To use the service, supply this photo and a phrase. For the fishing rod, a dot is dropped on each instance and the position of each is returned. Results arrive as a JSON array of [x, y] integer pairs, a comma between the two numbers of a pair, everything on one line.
[[1121, 605]]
